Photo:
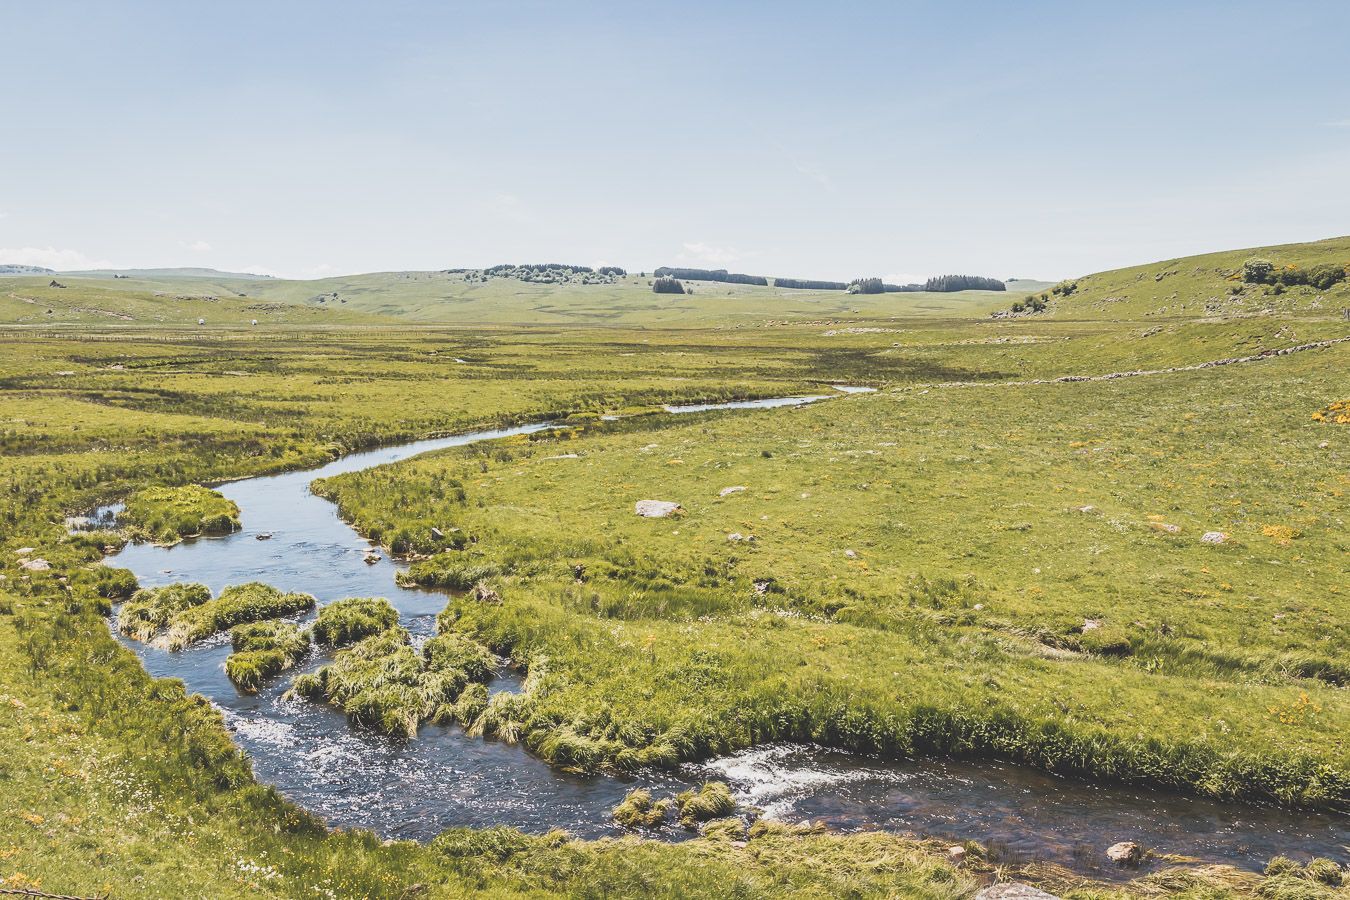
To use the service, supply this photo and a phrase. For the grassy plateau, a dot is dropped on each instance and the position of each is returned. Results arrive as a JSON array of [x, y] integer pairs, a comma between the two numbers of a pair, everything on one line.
[[1064, 538]]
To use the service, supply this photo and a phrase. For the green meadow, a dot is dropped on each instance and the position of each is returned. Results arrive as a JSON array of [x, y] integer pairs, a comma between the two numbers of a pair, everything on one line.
[[996, 554]]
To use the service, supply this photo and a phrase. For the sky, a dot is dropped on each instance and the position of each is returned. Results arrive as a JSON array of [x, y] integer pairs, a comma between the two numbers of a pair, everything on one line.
[[818, 140]]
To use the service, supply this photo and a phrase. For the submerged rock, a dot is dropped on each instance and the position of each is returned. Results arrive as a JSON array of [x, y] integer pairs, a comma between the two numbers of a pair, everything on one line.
[[1125, 853], [1013, 890], [657, 509]]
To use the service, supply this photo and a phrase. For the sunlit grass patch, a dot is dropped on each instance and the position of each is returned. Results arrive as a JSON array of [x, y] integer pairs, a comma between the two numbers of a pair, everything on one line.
[[169, 514]]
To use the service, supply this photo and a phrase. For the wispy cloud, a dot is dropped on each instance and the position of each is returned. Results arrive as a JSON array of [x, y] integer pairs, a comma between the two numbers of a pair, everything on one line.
[[1338, 123], [63, 259], [197, 246], [709, 254], [815, 173]]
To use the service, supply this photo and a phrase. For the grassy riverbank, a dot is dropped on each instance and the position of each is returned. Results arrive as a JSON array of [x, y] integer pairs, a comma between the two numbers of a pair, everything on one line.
[[923, 564]]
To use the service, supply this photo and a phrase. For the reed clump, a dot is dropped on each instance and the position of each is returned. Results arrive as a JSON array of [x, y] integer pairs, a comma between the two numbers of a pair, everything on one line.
[[150, 610], [236, 605], [346, 621], [263, 650]]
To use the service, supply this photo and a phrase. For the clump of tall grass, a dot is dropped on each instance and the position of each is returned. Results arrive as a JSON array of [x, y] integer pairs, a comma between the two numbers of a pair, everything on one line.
[[150, 610], [448, 571], [639, 810], [169, 514], [712, 801], [251, 602], [353, 618], [262, 650], [384, 685]]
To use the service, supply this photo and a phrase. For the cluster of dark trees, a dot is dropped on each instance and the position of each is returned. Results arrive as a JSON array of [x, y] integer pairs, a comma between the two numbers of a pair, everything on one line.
[[1263, 271], [711, 275], [866, 286], [664, 284], [807, 285], [949, 283]]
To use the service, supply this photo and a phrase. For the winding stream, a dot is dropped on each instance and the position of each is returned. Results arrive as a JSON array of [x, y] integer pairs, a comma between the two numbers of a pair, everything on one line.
[[443, 778]]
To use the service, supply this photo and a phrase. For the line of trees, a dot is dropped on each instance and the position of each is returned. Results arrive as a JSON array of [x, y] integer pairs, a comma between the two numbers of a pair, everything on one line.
[[711, 275], [949, 283], [807, 285]]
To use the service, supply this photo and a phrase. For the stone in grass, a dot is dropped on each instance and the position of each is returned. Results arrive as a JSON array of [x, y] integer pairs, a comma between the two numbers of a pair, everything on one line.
[[728, 491], [1213, 537], [1125, 853], [1013, 890], [657, 509]]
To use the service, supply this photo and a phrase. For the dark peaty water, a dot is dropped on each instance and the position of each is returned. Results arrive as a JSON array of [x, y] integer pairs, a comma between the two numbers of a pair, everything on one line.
[[443, 778]]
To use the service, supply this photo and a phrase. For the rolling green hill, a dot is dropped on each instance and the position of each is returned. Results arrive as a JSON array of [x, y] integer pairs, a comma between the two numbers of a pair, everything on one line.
[[1210, 285]]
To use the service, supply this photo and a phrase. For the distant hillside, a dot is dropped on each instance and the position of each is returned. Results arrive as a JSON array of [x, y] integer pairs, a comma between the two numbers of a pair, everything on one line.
[[152, 274], [1212, 284], [17, 269]]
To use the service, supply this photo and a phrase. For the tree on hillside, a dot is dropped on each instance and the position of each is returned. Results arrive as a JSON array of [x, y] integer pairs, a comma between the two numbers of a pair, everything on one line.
[[667, 285]]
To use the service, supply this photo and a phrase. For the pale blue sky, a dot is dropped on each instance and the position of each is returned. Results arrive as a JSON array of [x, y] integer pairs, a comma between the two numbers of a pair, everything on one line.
[[828, 140]]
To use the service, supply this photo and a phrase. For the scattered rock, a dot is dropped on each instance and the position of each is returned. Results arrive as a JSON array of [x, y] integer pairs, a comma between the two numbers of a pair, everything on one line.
[[23, 551], [851, 554], [726, 491], [1086, 509], [1125, 853], [484, 594], [1091, 624], [1013, 890], [657, 509], [1213, 537], [1165, 527], [956, 855], [37, 564], [1324, 445], [371, 557], [736, 537], [263, 536], [437, 534]]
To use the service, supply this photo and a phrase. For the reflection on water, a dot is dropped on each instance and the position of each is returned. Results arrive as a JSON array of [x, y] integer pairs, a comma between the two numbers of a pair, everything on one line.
[[415, 789]]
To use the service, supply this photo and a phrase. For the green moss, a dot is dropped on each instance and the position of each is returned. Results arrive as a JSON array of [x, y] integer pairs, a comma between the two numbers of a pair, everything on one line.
[[638, 810], [262, 650], [169, 514], [353, 618]]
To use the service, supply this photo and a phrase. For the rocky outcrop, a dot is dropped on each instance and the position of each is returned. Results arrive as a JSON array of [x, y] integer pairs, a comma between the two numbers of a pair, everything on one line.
[[657, 509]]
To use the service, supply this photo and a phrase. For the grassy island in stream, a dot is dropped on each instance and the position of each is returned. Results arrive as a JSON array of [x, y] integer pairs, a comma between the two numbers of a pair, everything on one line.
[[166, 515]]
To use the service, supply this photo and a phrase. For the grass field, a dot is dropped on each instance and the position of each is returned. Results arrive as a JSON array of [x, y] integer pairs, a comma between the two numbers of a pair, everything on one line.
[[975, 559]]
